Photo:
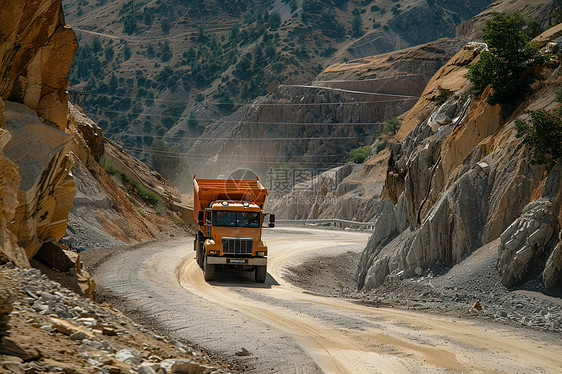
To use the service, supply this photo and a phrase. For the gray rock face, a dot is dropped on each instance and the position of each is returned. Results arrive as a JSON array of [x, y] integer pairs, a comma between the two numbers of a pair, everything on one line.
[[552, 274], [336, 193], [5, 310], [83, 231], [531, 240], [524, 245], [451, 213]]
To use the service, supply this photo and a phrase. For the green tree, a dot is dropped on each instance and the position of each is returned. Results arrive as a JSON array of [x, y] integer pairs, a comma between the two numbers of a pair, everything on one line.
[[360, 154], [126, 52], [150, 53], [109, 53], [130, 24], [166, 52], [543, 135], [508, 55], [357, 25], [165, 26], [96, 45], [274, 21]]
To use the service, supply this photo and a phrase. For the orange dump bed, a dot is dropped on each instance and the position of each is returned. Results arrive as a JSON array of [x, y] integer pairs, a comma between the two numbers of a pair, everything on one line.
[[206, 191]]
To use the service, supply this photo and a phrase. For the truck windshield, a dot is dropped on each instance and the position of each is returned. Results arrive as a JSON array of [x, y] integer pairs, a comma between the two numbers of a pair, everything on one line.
[[236, 219]]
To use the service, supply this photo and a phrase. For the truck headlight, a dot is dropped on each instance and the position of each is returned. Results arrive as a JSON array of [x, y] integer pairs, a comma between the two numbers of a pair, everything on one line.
[[261, 253]]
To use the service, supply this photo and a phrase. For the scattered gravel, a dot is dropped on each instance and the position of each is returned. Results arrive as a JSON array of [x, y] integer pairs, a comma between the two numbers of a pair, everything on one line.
[[52, 329]]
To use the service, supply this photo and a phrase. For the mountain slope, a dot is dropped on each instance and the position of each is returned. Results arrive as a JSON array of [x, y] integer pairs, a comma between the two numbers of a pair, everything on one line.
[[177, 66]]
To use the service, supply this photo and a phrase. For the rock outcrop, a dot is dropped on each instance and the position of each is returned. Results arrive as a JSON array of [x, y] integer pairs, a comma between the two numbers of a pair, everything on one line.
[[535, 10], [104, 214], [36, 51], [9, 182], [350, 192], [46, 190], [459, 179]]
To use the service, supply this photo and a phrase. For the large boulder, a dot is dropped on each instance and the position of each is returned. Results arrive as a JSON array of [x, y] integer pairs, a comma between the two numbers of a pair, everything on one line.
[[529, 246]]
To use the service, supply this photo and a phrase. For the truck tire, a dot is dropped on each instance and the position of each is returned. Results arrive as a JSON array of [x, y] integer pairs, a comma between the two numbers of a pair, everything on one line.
[[261, 273], [199, 256], [199, 249], [208, 271]]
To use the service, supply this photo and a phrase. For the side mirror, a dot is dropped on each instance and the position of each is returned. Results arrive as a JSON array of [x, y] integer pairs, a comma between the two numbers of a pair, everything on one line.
[[272, 220], [201, 217]]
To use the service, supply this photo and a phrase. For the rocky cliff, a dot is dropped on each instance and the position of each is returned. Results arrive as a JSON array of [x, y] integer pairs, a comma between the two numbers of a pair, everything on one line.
[[36, 50], [533, 10], [49, 153], [458, 179]]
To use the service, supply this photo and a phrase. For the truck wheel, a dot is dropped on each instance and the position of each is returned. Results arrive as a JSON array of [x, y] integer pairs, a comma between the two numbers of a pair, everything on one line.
[[261, 272], [199, 256], [209, 271]]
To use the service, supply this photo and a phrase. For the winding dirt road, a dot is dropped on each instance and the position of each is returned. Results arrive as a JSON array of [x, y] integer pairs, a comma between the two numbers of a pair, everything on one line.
[[291, 331]]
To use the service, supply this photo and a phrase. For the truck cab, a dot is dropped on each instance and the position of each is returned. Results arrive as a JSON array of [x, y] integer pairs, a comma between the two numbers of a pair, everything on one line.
[[230, 218]]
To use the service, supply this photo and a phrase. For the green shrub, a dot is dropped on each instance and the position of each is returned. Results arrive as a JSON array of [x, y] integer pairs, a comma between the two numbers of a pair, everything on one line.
[[508, 56], [543, 135], [147, 195], [360, 154]]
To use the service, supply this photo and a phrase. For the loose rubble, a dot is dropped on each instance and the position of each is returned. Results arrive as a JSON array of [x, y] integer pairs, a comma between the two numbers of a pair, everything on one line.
[[51, 329]]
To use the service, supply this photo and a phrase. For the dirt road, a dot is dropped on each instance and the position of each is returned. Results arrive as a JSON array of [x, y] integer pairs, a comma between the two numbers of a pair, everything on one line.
[[289, 331]]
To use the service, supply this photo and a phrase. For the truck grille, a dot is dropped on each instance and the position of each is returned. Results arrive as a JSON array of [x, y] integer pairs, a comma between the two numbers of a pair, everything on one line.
[[237, 245]]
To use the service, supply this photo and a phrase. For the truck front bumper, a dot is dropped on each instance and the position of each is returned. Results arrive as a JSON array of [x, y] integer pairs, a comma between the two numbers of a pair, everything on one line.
[[250, 261]]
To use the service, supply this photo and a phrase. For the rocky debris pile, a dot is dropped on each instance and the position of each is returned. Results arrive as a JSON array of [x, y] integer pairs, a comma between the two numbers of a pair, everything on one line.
[[532, 310], [471, 289], [54, 330]]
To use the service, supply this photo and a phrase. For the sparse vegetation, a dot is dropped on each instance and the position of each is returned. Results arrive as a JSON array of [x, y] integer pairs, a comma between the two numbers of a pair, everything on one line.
[[144, 193], [389, 128]]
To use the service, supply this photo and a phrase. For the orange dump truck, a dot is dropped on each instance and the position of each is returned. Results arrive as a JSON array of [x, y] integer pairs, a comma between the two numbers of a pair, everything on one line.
[[230, 215]]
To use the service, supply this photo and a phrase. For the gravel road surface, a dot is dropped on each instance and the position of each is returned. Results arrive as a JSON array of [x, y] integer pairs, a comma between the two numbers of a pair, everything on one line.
[[287, 330]]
